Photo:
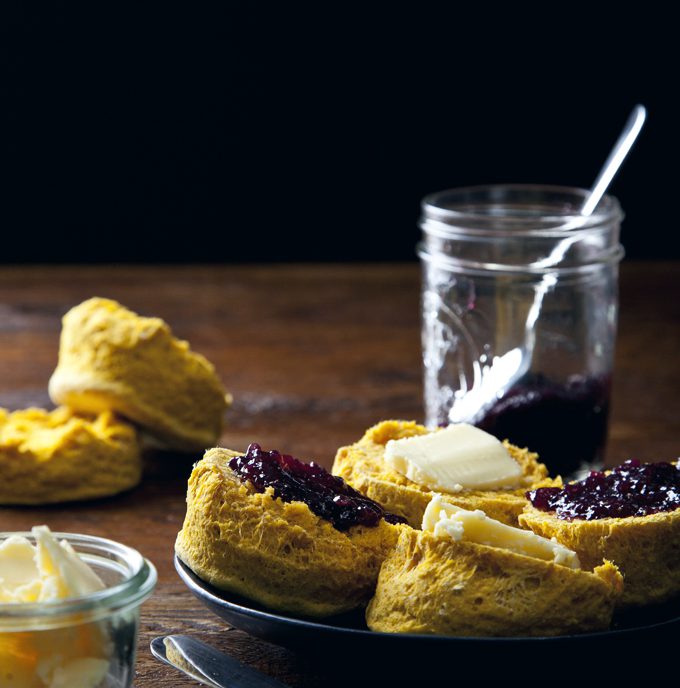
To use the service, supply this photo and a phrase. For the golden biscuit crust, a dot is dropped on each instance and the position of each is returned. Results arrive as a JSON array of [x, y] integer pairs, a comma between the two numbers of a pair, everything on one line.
[[362, 466], [440, 586], [48, 457], [645, 548], [277, 553], [113, 359]]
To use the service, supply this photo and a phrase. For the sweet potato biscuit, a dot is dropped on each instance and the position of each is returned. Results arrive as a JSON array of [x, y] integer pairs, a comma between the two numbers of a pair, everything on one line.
[[442, 586], [645, 548], [362, 466], [112, 359], [277, 553], [58, 456]]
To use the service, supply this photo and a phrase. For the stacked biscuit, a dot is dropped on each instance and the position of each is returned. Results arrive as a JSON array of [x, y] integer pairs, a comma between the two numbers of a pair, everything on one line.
[[119, 377], [469, 562]]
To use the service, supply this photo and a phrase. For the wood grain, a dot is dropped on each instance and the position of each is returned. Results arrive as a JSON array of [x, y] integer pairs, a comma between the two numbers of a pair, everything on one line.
[[313, 355]]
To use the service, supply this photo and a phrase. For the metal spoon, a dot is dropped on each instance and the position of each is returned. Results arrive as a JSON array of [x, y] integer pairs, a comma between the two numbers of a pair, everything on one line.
[[506, 370], [611, 166]]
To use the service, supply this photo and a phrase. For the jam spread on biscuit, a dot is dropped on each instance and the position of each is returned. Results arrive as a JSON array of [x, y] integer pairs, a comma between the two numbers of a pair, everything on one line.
[[326, 495], [631, 489]]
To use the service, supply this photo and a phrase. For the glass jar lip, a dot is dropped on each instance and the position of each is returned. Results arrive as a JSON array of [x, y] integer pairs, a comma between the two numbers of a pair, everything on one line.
[[132, 591], [444, 262], [449, 211]]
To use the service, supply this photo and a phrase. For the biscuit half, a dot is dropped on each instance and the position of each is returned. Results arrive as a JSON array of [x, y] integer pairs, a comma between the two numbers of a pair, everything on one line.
[[363, 466], [441, 586], [113, 359], [277, 553], [59, 456], [645, 548]]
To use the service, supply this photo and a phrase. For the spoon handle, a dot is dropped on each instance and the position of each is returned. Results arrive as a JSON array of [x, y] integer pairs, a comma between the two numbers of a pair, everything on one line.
[[616, 157]]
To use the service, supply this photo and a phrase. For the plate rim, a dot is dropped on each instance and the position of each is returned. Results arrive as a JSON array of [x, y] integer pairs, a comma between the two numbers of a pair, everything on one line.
[[197, 586]]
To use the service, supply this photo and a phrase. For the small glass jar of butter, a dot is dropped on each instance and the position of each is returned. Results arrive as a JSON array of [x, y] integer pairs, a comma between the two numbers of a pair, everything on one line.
[[69, 610]]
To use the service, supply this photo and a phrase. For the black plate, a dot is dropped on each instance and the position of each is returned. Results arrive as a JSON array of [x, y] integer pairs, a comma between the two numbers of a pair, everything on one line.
[[654, 628]]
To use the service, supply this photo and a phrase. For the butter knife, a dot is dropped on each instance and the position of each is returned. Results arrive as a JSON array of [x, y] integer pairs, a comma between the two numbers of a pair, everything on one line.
[[207, 665]]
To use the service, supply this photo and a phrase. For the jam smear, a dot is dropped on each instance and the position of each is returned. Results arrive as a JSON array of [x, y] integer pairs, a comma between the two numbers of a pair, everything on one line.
[[566, 423], [327, 495], [631, 489]]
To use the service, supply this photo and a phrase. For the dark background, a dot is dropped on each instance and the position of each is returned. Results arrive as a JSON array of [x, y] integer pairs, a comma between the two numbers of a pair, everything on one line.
[[247, 133]]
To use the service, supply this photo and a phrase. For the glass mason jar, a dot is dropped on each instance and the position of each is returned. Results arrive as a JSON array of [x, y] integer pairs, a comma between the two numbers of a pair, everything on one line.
[[519, 306], [88, 641]]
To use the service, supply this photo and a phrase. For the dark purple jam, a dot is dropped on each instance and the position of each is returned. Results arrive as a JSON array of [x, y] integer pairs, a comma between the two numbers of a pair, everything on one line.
[[566, 423], [631, 489], [328, 496]]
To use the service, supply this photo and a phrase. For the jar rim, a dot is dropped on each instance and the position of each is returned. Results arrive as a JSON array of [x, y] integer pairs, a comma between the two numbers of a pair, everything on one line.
[[137, 585], [470, 209], [452, 264]]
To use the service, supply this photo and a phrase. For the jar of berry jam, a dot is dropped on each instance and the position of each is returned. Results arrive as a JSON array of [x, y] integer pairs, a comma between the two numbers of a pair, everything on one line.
[[519, 316]]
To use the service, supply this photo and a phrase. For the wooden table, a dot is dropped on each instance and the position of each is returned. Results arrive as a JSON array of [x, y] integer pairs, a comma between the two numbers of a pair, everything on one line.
[[313, 355]]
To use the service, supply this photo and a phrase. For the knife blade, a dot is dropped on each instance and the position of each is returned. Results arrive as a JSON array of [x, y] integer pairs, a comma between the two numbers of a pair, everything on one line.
[[207, 665]]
